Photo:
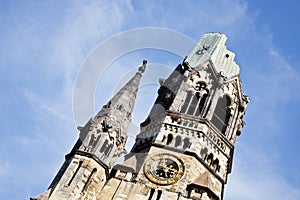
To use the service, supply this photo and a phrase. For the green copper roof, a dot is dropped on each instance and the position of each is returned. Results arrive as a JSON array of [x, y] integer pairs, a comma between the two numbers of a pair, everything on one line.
[[212, 47]]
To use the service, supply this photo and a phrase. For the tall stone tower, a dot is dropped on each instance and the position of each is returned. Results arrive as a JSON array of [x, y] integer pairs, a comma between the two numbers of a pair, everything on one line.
[[185, 146]]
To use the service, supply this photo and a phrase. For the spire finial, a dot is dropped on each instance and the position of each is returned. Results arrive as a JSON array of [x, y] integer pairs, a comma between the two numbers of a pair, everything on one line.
[[143, 67]]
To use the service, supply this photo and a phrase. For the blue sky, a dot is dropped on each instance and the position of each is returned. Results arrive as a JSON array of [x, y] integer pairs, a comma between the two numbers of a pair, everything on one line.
[[44, 44]]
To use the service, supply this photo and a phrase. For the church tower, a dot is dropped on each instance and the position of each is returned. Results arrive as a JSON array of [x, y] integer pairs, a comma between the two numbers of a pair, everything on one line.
[[101, 141], [185, 146]]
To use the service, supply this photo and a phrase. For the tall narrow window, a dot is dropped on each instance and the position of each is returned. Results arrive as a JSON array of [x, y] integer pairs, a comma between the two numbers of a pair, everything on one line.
[[222, 115], [193, 105], [186, 143], [169, 139], [177, 141], [202, 103], [195, 100], [151, 194], [104, 146], [88, 181], [215, 165], [186, 103], [203, 153], [209, 159], [108, 149], [76, 171], [159, 193]]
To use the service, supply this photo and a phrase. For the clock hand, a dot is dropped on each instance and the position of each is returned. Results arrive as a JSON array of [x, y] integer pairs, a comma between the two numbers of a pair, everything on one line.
[[174, 170], [164, 162]]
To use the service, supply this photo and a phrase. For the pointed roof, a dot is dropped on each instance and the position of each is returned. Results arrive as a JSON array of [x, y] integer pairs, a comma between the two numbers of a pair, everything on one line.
[[118, 110], [204, 180], [212, 47]]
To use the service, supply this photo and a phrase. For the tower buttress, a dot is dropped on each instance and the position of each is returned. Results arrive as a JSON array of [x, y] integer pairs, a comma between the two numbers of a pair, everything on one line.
[[101, 141]]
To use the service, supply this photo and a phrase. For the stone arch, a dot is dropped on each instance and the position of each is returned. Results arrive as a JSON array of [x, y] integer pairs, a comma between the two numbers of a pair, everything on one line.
[[88, 181], [195, 99], [177, 141], [210, 159], [76, 172], [105, 144], [169, 139], [215, 165], [108, 149], [203, 153], [222, 114], [186, 143]]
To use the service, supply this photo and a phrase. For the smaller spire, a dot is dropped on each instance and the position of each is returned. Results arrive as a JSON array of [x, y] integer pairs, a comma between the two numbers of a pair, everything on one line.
[[106, 134], [120, 107], [143, 67]]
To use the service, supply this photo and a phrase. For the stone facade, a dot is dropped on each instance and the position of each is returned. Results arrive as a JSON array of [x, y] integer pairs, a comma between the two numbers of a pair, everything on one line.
[[185, 146]]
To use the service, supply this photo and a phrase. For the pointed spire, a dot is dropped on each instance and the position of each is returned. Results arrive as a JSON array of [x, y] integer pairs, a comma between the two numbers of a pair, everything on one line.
[[117, 112]]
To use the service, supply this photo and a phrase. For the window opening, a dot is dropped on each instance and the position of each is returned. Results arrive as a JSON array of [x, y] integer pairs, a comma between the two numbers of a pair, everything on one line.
[[159, 193], [221, 114], [186, 143], [169, 139], [151, 194], [195, 101], [88, 180], [76, 171], [177, 141]]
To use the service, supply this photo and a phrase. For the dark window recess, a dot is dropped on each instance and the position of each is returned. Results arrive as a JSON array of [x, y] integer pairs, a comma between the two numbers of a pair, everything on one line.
[[104, 146], [177, 141], [169, 139], [203, 153], [108, 149], [194, 102], [159, 193], [88, 181], [201, 104], [187, 101], [186, 143], [76, 171], [151, 194], [193, 105], [221, 115]]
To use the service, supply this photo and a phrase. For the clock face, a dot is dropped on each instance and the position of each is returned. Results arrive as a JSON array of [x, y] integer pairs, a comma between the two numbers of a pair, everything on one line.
[[164, 169]]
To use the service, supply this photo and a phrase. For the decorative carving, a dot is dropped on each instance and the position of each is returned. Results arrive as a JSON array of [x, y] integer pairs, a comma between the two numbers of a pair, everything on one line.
[[105, 126]]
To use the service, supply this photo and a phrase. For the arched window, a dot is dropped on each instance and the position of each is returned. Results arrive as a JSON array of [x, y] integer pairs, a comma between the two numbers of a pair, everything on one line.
[[186, 143], [215, 165], [169, 139], [76, 171], [195, 101], [222, 115], [89, 180], [203, 153], [177, 141], [202, 103], [108, 149], [193, 104], [209, 159], [104, 146], [186, 103]]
